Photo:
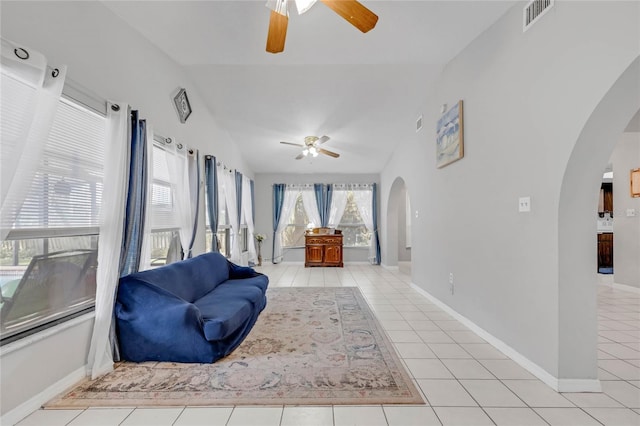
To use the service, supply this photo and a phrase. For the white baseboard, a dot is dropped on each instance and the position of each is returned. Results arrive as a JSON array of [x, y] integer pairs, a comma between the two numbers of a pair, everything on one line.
[[579, 385], [625, 287], [559, 385], [389, 267], [35, 403]]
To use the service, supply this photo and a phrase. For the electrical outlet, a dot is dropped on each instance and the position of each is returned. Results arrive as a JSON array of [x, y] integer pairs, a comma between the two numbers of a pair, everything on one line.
[[524, 204]]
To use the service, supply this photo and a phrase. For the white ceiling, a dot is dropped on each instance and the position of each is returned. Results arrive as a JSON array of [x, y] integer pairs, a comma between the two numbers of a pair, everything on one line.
[[365, 91]]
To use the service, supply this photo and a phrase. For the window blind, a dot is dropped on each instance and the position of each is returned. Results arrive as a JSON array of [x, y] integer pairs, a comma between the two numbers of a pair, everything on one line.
[[163, 212], [67, 187]]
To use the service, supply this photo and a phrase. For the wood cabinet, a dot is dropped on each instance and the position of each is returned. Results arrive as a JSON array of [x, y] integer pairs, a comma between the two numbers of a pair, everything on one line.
[[323, 249], [605, 250]]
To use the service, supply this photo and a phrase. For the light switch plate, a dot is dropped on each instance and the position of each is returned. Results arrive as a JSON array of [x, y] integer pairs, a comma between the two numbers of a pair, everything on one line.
[[524, 204]]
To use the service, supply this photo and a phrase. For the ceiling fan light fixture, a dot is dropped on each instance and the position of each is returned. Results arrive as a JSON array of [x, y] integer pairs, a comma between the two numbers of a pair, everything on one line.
[[279, 6], [304, 5], [305, 152]]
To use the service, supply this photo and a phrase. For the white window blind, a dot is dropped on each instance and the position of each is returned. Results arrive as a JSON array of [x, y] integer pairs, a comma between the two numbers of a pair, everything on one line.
[[67, 187], [163, 212]]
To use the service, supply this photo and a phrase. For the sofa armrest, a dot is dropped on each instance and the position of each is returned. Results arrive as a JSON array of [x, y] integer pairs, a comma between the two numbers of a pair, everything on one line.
[[238, 272], [152, 323]]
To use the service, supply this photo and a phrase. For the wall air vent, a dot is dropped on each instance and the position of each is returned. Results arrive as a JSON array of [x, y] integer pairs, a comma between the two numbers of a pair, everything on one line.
[[419, 123], [533, 11]]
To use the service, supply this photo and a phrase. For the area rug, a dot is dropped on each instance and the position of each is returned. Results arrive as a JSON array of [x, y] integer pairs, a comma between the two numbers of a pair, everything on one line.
[[310, 346]]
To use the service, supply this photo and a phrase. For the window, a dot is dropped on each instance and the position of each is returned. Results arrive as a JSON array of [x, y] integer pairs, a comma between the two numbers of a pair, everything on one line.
[[353, 228], [48, 260], [354, 231], [293, 234], [164, 227], [223, 234]]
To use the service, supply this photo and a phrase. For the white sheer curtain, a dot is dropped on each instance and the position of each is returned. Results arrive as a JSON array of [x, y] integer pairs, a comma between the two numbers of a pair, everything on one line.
[[289, 202], [338, 204], [112, 216], [31, 92], [178, 164], [247, 211], [232, 213], [145, 254], [311, 205], [364, 200]]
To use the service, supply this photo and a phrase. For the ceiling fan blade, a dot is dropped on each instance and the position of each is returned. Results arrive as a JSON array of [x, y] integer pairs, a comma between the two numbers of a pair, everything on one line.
[[277, 32], [291, 143], [300, 157], [354, 12], [323, 140], [329, 153]]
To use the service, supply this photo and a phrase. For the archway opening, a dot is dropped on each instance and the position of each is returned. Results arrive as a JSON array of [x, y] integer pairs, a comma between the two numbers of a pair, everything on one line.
[[577, 277], [399, 227]]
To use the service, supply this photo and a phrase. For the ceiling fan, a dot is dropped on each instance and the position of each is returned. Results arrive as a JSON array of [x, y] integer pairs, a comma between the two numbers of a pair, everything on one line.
[[311, 147], [351, 10]]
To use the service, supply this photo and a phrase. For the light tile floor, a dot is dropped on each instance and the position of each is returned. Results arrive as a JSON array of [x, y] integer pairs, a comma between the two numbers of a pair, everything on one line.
[[464, 380]]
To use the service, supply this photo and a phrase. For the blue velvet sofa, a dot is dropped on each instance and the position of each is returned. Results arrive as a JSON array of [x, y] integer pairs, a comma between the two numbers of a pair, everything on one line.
[[195, 310]]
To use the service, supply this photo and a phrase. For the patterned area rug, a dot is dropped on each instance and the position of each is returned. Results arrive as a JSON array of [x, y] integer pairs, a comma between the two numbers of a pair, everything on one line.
[[310, 346]]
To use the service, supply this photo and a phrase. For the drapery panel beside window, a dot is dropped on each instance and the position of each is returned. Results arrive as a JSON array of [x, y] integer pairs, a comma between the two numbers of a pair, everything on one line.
[[247, 211], [211, 189], [229, 184], [100, 359]]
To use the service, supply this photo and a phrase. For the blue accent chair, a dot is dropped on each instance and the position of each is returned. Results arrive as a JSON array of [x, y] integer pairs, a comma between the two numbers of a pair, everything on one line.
[[196, 310]]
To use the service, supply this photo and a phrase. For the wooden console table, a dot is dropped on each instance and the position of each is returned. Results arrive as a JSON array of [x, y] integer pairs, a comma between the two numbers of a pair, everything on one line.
[[323, 248]]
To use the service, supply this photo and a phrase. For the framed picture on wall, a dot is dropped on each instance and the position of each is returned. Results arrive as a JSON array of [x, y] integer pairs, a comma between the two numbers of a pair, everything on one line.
[[182, 105], [450, 136]]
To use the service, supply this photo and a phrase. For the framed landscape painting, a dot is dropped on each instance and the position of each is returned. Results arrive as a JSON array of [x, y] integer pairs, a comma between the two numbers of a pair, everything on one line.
[[450, 141]]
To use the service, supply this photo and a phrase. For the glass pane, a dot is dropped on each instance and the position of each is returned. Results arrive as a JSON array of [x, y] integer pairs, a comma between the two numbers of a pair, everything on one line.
[[355, 236], [224, 243], [293, 236], [160, 246], [299, 214], [42, 280], [351, 214], [208, 239]]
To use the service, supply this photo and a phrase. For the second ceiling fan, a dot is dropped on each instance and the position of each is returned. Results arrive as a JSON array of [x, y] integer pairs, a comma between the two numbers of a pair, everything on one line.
[[351, 10], [312, 147]]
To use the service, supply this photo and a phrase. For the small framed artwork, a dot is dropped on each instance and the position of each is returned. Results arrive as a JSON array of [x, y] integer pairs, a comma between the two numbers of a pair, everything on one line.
[[450, 136], [182, 105], [635, 183]]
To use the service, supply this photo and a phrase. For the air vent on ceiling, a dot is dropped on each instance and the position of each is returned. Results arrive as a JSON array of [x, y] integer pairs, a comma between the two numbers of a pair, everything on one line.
[[533, 11], [419, 123]]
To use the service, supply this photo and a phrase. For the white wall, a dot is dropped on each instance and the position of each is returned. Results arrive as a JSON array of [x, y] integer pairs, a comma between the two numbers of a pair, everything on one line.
[[40, 363], [264, 209], [626, 238], [114, 62], [527, 97]]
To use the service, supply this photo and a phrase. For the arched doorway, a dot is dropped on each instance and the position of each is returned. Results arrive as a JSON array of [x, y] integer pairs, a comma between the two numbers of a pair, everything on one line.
[[399, 227], [577, 279]]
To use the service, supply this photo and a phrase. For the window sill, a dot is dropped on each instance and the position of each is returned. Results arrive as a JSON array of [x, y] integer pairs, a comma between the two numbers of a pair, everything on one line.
[[34, 338]]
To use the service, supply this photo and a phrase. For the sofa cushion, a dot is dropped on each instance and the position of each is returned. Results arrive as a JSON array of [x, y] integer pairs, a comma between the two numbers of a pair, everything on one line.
[[228, 307], [189, 279], [223, 316]]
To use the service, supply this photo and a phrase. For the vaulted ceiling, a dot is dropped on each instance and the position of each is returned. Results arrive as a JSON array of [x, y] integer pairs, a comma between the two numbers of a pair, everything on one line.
[[365, 91]]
